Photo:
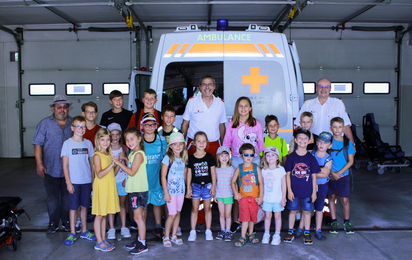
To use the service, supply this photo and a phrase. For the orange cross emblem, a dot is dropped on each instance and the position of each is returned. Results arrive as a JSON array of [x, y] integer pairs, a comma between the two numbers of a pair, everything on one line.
[[254, 80]]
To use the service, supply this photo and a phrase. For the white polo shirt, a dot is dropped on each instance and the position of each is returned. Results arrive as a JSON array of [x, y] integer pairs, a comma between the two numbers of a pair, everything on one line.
[[322, 114], [205, 119]]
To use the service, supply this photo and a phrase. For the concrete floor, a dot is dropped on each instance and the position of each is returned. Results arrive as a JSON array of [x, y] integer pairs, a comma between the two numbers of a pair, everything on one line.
[[381, 209]]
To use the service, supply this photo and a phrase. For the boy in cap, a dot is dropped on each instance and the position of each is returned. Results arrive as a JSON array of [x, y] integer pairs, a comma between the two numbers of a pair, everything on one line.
[[301, 169]]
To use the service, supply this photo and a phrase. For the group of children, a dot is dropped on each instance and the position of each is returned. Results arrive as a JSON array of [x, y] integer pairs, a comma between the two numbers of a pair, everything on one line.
[[247, 173]]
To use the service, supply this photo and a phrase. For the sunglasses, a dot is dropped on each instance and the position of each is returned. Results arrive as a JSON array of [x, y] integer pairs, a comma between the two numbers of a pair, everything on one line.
[[248, 154], [61, 107]]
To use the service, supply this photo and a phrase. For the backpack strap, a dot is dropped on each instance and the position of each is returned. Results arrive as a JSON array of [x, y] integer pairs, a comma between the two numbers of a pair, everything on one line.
[[241, 173]]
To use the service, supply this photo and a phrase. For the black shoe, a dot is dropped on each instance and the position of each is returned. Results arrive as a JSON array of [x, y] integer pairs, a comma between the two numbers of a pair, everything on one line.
[[132, 245], [140, 248], [52, 228], [66, 226], [234, 227], [133, 226], [158, 232]]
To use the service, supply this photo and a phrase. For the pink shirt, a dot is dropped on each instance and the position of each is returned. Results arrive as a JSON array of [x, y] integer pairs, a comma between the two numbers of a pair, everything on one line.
[[235, 137]]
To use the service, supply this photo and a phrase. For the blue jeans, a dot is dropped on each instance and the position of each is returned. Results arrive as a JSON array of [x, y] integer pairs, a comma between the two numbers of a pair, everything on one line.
[[57, 199]]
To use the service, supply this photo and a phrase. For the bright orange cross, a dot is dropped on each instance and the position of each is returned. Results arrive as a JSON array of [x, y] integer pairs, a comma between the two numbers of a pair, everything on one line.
[[254, 80]]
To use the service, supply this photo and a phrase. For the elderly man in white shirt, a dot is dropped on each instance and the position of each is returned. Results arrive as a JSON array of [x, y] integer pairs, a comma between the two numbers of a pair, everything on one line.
[[324, 108], [205, 113]]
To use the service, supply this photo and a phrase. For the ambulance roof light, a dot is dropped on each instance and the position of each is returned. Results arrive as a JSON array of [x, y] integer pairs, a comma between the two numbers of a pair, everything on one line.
[[190, 28], [256, 28]]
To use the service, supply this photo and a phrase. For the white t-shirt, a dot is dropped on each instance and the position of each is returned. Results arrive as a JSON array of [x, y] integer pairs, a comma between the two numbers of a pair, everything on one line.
[[176, 176], [272, 181], [121, 175], [322, 114], [205, 119], [79, 164]]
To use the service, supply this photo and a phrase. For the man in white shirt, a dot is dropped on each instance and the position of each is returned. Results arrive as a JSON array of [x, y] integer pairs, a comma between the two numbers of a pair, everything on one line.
[[205, 113], [324, 108]]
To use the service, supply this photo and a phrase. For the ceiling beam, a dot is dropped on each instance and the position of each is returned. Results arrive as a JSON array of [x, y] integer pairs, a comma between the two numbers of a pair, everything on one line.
[[60, 14], [361, 11]]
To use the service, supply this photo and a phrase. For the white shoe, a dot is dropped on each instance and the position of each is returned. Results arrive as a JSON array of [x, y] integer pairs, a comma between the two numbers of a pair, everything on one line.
[[265, 239], [275, 240], [209, 235], [125, 232], [111, 234], [179, 232], [192, 236]]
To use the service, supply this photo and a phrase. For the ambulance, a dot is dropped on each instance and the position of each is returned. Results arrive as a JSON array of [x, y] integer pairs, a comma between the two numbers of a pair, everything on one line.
[[256, 63]]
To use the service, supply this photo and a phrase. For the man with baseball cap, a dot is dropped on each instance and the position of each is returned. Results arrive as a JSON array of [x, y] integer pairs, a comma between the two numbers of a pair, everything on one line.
[[48, 140]]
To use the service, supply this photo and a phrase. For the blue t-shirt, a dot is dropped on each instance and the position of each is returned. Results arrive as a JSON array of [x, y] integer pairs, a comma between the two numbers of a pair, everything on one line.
[[339, 160], [301, 168], [155, 151], [322, 162]]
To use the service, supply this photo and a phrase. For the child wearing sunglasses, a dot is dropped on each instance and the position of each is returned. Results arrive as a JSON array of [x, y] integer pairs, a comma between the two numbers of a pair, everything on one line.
[[247, 186]]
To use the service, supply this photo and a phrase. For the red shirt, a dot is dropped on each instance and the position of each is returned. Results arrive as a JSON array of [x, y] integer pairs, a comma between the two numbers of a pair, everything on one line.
[[90, 134]]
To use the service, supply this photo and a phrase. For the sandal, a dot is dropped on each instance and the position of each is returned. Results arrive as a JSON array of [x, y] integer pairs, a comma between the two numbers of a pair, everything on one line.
[[253, 239], [240, 242], [106, 248], [177, 241], [108, 244], [166, 242]]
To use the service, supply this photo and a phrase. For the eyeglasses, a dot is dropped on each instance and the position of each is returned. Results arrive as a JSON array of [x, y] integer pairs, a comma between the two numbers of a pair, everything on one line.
[[80, 127], [150, 126], [320, 86], [91, 112], [248, 154], [61, 107], [207, 85]]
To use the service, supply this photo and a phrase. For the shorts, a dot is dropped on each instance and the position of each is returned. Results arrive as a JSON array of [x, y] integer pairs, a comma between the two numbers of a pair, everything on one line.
[[156, 197], [305, 203], [342, 185], [176, 204], [248, 209], [272, 207], [138, 199], [81, 196], [237, 160], [320, 197], [227, 200], [201, 191], [121, 191]]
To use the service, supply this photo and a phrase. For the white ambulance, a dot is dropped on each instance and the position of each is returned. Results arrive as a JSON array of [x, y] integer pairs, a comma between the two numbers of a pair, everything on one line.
[[256, 63]]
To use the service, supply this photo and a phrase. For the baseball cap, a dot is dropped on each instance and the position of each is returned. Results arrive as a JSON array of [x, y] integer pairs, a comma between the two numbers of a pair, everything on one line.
[[302, 131], [325, 136], [147, 117], [114, 126], [176, 137], [272, 149], [222, 149]]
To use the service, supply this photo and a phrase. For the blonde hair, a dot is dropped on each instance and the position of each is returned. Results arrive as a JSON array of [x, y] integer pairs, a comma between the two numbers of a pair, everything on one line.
[[218, 163], [235, 118], [183, 154], [100, 133], [264, 163]]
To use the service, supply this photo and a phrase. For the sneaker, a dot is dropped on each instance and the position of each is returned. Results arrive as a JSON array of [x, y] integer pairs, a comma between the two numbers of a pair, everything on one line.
[[179, 232], [140, 248], [88, 235], [220, 235], [133, 226], [235, 226], [307, 239], [52, 228], [132, 245], [78, 226], [348, 228], [228, 236], [334, 227], [70, 239], [66, 226], [319, 235], [192, 236], [158, 232], [265, 239], [111, 234], [299, 232], [290, 236], [275, 240], [209, 235], [125, 232]]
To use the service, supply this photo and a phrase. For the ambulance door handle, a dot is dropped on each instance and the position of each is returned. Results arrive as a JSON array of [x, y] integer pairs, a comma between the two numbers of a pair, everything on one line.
[[294, 97]]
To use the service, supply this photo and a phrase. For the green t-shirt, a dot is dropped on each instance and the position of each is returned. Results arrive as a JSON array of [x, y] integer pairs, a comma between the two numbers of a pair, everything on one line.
[[279, 143], [138, 182]]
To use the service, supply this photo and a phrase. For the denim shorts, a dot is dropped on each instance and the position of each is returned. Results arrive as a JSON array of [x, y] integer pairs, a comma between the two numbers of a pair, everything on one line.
[[342, 185], [81, 196], [272, 207], [121, 191], [201, 191], [320, 197], [138, 199], [305, 203]]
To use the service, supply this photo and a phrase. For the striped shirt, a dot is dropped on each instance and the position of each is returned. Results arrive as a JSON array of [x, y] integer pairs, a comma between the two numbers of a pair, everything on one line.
[[224, 178]]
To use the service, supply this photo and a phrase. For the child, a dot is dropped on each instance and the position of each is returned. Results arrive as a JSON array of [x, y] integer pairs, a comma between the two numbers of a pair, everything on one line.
[[77, 158], [201, 183], [273, 140], [104, 200], [301, 169], [89, 112], [340, 175], [136, 186], [168, 117], [118, 151], [247, 186], [306, 122], [173, 181], [274, 194], [224, 193], [243, 128], [118, 114], [155, 148], [149, 100]]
